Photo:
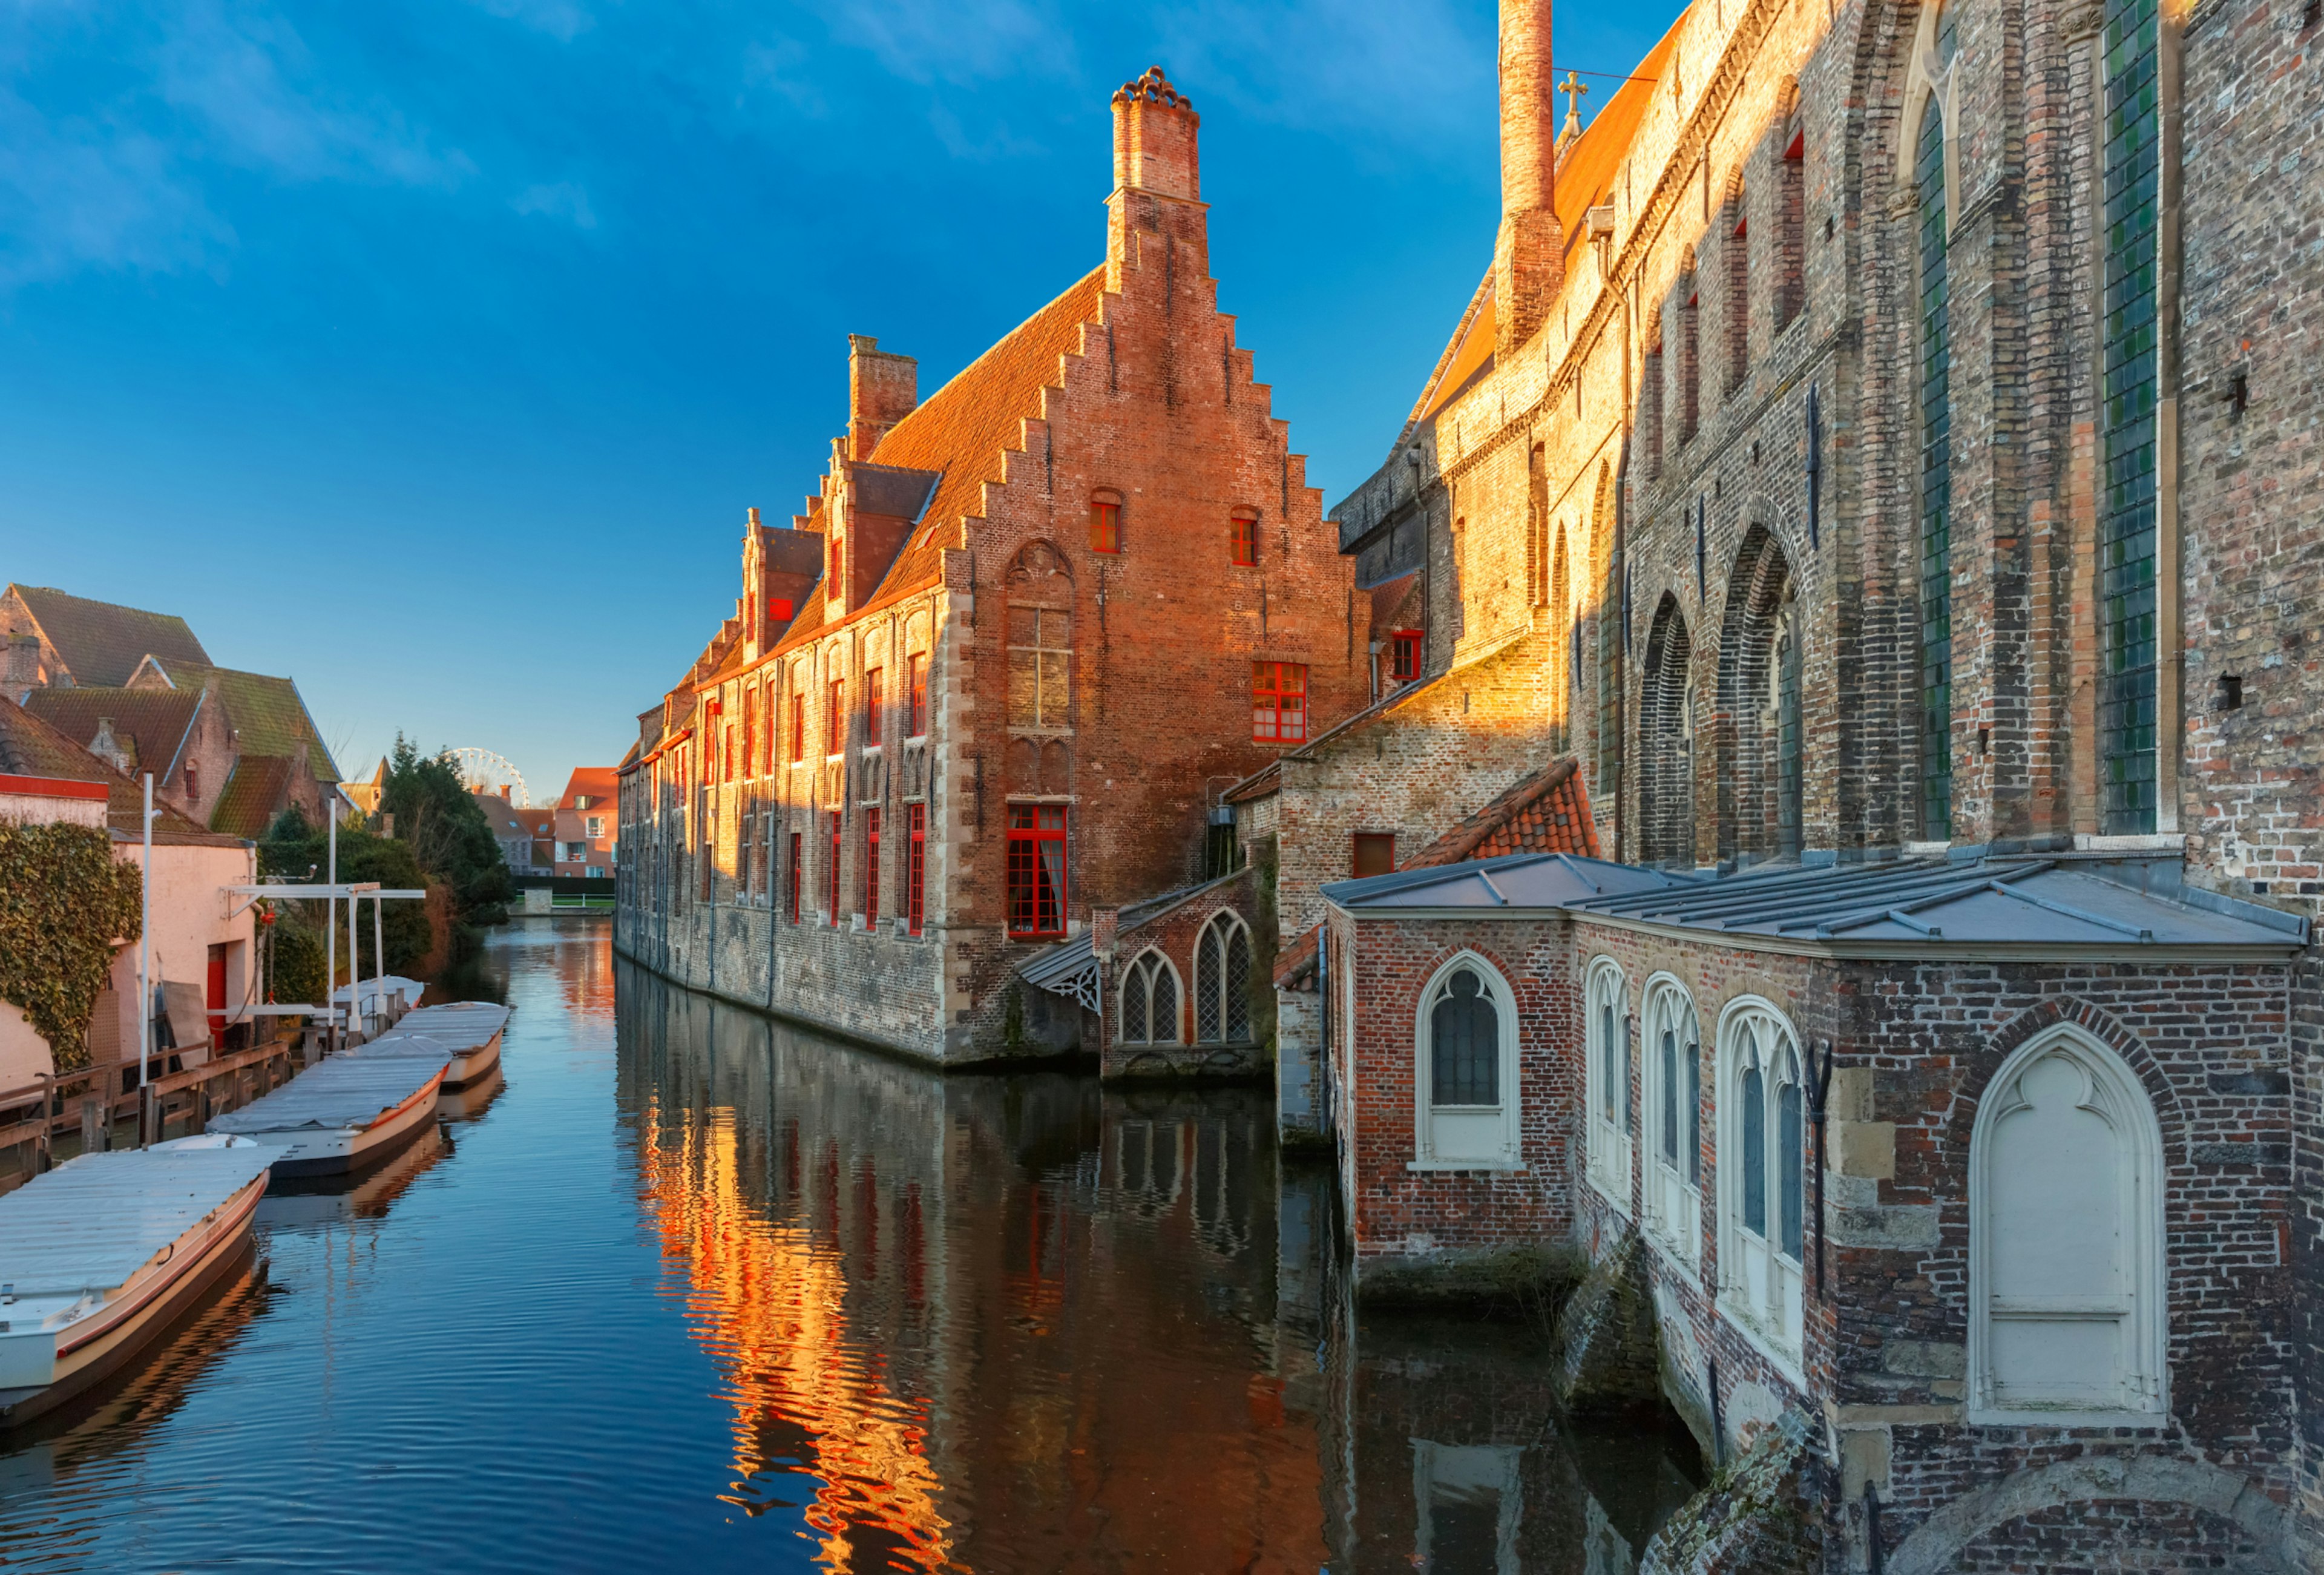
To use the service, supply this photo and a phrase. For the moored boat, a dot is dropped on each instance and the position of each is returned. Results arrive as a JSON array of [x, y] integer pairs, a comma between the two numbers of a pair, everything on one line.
[[98, 1254], [466, 1033], [343, 1114]]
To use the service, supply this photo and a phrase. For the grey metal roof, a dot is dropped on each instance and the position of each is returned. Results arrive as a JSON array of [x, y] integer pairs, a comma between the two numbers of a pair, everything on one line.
[[1070, 967], [344, 1090], [1510, 881], [93, 1221], [441, 1032], [1998, 902]]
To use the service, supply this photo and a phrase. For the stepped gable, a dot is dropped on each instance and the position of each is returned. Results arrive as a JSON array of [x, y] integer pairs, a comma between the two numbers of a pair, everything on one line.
[[961, 431], [1547, 812], [152, 722], [102, 642]]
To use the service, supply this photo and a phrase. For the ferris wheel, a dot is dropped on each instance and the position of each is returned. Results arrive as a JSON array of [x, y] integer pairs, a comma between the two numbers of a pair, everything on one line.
[[482, 771]]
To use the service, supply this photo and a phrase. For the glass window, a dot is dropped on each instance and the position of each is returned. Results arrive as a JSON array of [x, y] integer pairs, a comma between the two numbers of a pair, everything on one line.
[[871, 869], [1245, 540], [834, 717], [1041, 650], [916, 673], [873, 693], [916, 869], [1278, 703], [1404, 655], [1105, 526], [1464, 1044], [1037, 869], [1222, 982], [1149, 1001]]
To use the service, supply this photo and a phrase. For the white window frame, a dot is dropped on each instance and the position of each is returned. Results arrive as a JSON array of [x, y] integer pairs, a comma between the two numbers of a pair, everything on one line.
[[1178, 1009], [1612, 1146], [1674, 1203], [2115, 1093], [1427, 1144], [1762, 1289]]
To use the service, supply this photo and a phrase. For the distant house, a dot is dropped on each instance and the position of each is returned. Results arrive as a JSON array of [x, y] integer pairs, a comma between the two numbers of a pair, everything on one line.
[[587, 831], [526, 836], [227, 749]]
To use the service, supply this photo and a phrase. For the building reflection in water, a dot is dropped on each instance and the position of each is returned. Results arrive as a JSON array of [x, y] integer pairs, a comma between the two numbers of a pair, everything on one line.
[[1007, 1324]]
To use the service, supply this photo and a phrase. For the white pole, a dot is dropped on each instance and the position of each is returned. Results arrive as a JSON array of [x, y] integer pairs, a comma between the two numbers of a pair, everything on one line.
[[331, 935], [379, 952], [144, 965]]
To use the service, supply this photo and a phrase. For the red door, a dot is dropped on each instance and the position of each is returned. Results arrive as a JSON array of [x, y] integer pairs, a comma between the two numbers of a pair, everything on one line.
[[214, 996]]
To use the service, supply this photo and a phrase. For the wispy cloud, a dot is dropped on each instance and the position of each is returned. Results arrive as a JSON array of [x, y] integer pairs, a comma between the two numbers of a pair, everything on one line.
[[561, 200], [90, 194], [562, 19], [959, 41]]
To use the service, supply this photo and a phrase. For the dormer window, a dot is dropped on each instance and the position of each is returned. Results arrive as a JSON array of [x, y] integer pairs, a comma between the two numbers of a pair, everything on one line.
[[1244, 538]]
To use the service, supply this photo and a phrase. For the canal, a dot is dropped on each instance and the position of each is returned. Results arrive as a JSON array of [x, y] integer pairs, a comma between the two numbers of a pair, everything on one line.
[[686, 1289]]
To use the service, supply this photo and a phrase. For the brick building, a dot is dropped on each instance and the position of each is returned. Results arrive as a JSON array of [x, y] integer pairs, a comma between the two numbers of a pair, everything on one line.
[[587, 825], [996, 675], [1896, 500]]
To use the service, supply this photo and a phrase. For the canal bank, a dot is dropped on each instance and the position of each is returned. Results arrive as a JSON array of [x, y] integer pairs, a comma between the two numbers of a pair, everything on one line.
[[696, 1288]]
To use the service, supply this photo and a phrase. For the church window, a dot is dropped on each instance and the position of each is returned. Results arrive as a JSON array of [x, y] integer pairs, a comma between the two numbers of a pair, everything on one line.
[[1762, 1121], [1674, 1081], [1612, 1119], [1222, 982], [1037, 869], [2066, 1241], [1936, 486], [2132, 159], [1149, 1000], [1105, 524], [875, 711], [916, 869], [1791, 271], [1375, 854], [1404, 655], [834, 717], [1278, 703], [916, 672], [1040, 653], [871, 869], [1244, 537], [1466, 1084], [1738, 289]]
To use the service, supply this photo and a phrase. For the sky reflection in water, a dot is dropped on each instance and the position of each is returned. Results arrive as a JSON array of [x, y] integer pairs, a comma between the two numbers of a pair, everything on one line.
[[696, 1290]]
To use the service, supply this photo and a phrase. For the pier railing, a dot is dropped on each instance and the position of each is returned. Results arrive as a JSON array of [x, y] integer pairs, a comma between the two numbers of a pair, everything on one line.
[[78, 1104]]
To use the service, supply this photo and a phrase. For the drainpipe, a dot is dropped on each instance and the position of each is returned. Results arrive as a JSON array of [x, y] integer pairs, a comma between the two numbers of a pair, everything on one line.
[[1819, 1100]]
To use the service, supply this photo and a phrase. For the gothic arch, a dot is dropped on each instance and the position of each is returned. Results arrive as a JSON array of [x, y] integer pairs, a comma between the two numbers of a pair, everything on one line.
[[1937, 1542], [1222, 964], [1036, 568], [1758, 744], [1667, 741]]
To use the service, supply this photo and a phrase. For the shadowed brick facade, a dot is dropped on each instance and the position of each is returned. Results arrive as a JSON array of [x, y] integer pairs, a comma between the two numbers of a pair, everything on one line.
[[1083, 544]]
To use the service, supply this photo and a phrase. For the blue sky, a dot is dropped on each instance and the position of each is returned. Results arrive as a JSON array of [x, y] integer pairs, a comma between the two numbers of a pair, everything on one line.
[[430, 351]]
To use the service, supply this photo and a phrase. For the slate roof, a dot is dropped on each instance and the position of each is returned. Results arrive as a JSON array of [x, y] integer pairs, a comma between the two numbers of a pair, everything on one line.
[[30, 747], [254, 795], [1546, 812], [2015, 905], [101, 642], [153, 723]]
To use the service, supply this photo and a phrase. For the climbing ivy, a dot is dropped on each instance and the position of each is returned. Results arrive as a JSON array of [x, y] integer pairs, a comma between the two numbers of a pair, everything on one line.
[[64, 901]]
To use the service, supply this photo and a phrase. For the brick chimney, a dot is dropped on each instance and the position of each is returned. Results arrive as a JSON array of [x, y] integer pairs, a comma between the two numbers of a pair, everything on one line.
[[883, 389], [1530, 255], [1158, 180]]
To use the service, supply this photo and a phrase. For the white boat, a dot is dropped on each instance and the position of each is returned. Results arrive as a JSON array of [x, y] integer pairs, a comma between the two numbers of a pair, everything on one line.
[[467, 1034], [340, 1115], [98, 1254]]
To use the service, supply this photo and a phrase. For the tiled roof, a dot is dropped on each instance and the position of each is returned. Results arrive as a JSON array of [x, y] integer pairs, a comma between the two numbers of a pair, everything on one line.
[[599, 782], [30, 747], [254, 795], [503, 815], [962, 430], [1547, 812], [267, 712], [100, 643], [152, 722]]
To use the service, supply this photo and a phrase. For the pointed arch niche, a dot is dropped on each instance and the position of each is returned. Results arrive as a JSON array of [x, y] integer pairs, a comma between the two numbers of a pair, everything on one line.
[[2067, 1294], [1666, 742], [1759, 731]]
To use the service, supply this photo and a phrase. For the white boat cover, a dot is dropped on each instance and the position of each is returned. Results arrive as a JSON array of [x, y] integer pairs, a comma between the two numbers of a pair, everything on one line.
[[382, 987], [469, 1023], [344, 1090], [93, 1221]]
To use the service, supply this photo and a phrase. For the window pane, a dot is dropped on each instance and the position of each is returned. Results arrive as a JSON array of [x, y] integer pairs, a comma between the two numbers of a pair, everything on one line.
[[1210, 969], [1238, 985], [1793, 1161], [1464, 1045], [1165, 1005], [1753, 1176], [1694, 1059], [1133, 1005], [1669, 1078], [1605, 1060]]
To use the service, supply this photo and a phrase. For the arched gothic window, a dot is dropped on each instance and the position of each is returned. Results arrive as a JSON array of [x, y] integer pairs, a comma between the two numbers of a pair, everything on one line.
[[1222, 982], [1762, 1174], [1613, 1117], [2067, 1320], [1149, 1000], [1465, 1079], [1673, 1062]]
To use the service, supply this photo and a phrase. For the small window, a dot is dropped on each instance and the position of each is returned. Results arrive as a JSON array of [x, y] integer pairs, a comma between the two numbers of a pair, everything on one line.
[[916, 672], [1278, 703], [193, 781], [1404, 655], [916, 869], [1105, 524], [832, 885], [751, 731], [872, 695], [1037, 869], [1149, 1000], [1375, 854], [798, 852], [799, 728], [1245, 539], [871, 869], [834, 717]]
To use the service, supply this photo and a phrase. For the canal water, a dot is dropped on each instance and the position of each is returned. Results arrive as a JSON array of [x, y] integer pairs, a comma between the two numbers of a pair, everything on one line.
[[687, 1290]]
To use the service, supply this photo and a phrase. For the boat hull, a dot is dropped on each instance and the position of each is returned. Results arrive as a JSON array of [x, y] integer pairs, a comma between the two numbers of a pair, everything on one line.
[[336, 1150], [91, 1355], [475, 1065]]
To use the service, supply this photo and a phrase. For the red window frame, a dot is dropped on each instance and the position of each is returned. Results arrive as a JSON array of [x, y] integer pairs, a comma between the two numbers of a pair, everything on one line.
[[871, 869], [917, 671], [835, 583], [917, 867], [797, 842], [798, 727], [871, 707], [726, 773], [1278, 703], [751, 731], [1404, 655], [1243, 540], [1105, 526], [836, 827], [1036, 871], [834, 717]]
